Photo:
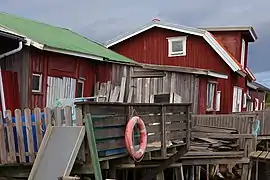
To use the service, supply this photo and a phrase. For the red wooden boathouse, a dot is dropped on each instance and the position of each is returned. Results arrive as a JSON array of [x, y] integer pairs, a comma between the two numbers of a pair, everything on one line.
[[223, 50]]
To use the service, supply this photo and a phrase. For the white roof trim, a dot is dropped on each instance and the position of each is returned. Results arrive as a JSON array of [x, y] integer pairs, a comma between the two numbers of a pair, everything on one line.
[[250, 73], [251, 86], [61, 51], [188, 30], [217, 75]]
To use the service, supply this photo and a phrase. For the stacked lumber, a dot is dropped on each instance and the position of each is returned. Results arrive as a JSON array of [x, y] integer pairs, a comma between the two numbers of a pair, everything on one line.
[[208, 138], [106, 92]]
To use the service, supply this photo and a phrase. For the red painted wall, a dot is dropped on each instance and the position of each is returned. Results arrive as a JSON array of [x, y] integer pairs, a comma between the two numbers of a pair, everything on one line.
[[232, 41], [58, 65], [152, 47]]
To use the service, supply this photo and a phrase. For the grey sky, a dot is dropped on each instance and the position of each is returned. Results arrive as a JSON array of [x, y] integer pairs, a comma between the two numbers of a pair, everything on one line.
[[101, 20]]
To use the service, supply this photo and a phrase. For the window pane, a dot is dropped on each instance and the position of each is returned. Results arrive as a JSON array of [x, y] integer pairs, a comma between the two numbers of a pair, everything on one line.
[[80, 90], [177, 46], [35, 83]]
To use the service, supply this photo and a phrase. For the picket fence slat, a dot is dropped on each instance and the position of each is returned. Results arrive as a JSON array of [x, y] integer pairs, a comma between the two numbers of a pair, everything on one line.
[[20, 137], [29, 132], [10, 135]]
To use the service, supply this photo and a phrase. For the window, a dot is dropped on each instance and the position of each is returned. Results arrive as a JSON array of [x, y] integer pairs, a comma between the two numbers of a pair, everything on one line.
[[218, 100], [36, 83], [80, 87], [210, 95], [243, 52], [177, 46], [237, 99]]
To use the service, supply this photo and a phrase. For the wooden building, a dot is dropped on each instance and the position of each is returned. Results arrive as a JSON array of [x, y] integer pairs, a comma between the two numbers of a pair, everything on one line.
[[42, 63], [223, 50], [257, 96]]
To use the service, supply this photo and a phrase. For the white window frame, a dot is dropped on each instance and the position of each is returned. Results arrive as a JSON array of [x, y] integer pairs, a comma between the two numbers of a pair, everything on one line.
[[40, 83], [237, 99], [243, 52], [218, 98], [211, 107], [179, 53], [245, 100], [81, 80]]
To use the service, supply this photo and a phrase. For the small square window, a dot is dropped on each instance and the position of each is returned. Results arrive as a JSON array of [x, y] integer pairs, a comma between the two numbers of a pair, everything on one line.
[[36, 83], [177, 46], [80, 87]]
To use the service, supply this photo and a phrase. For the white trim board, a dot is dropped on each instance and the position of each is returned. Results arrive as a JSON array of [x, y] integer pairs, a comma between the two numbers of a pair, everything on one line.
[[188, 30]]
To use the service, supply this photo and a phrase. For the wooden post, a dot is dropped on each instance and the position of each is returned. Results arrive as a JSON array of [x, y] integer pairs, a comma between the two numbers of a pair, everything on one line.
[[163, 132], [207, 172], [198, 172], [92, 146], [257, 170], [192, 176], [188, 131]]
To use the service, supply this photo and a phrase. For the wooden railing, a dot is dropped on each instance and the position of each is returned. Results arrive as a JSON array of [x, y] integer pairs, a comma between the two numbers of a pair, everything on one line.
[[165, 123], [21, 132]]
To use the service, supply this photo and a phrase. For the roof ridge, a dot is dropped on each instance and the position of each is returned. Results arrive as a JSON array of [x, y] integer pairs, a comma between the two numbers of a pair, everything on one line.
[[33, 20]]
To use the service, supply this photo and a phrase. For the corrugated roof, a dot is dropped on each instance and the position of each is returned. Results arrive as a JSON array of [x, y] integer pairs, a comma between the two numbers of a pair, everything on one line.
[[58, 38]]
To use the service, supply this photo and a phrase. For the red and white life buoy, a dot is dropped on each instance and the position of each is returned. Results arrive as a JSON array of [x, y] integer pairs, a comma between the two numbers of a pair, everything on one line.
[[129, 139]]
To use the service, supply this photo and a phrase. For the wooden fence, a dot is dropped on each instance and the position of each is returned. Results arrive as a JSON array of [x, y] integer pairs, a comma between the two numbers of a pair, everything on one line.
[[21, 133]]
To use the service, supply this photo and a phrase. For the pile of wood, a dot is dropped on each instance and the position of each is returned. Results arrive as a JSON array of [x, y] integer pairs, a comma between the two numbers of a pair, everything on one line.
[[106, 92], [207, 138]]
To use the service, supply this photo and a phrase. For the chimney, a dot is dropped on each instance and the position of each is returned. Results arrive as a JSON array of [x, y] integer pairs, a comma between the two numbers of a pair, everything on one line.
[[155, 20]]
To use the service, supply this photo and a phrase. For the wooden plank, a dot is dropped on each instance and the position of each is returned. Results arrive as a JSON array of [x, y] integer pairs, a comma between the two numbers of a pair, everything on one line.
[[153, 128], [58, 117], [109, 121], [3, 150], [122, 89], [174, 135], [146, 110], [173, 126], [256, 154], [10, 136], [176, 117], [79, 122], [20, 136], [163, 132], [103, 109], [68, 115], [92, 146], [48, 117], [111, 144], [154, 138], [39, 129], [29, 133], [115, 94], [104, 133], [219, 135], [263, 155]]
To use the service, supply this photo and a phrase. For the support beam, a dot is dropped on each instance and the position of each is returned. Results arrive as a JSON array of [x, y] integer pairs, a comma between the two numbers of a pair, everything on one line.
[[165, 164]]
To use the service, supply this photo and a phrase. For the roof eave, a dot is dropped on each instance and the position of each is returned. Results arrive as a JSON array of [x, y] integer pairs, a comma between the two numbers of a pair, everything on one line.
[[78, 54]]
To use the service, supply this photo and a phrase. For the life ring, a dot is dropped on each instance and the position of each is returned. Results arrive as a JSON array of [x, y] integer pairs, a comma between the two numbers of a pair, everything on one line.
[[129, 139]]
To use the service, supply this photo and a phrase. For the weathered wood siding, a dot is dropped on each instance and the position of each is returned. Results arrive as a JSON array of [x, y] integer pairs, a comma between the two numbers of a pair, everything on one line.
[[185, 85]]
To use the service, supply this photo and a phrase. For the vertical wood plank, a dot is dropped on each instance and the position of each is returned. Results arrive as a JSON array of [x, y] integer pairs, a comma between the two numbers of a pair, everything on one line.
[[20, 136], [10, 135], [29, 133], [3, 150], [163, 132], [122, 89], [48, 117], [37, 113], [79, 122], [58, 117], [68, 115]]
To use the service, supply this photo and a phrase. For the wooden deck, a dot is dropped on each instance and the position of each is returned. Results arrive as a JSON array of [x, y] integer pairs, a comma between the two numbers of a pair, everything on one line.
[[260, 156]]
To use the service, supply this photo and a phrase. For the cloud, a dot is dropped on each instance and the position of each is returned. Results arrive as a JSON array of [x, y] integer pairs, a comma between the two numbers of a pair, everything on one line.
[[102, 19]]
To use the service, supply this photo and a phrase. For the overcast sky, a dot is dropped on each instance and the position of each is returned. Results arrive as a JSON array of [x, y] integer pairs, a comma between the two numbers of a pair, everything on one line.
[[101, 20]]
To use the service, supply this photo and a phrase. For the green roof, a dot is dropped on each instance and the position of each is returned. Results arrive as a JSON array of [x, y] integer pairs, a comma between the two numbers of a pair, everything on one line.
[[58, 38]]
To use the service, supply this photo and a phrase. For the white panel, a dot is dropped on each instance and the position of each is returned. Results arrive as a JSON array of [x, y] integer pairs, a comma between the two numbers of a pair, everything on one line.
[[60, 88], [218, 100], [243, 52], [234, 105], [245, 100], [239, 96]]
